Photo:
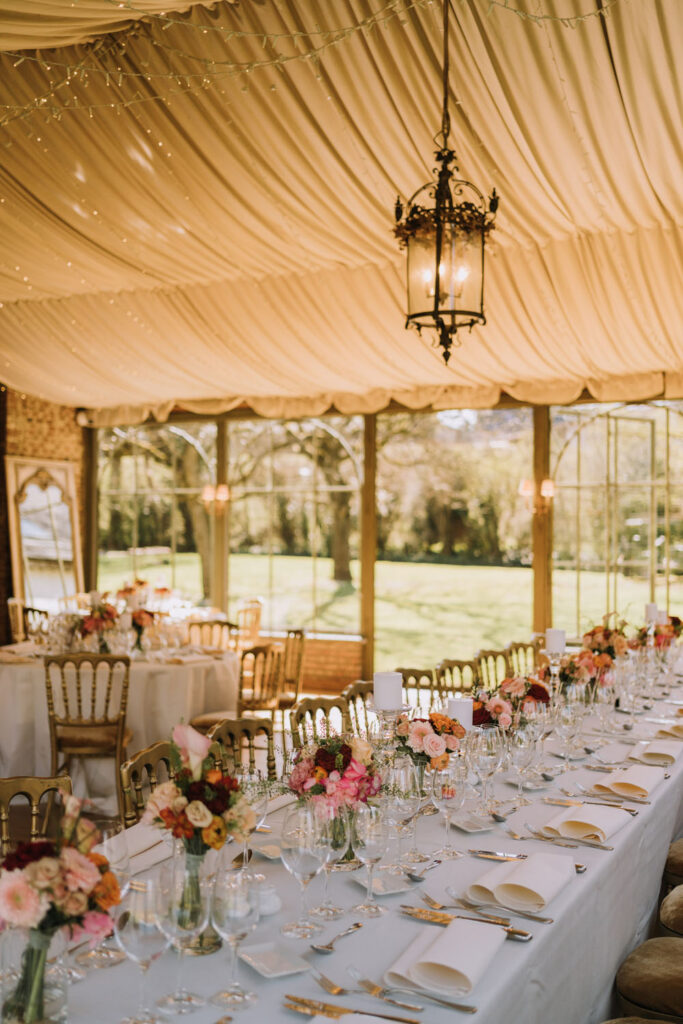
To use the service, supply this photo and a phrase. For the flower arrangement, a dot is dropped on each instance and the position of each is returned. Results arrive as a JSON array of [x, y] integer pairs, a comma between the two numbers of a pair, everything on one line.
[[140, 621], [509, 702], [133, 593], [336, 773], [99, 618], [665, 633], [49, 885], [606, 643], [202, 806], [429, 741]]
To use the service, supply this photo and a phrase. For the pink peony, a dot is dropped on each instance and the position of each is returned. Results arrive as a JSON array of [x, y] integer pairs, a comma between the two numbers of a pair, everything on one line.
[[416, 735], [505, 720], [452, 742], [79, 872], [20, 903], [515, 687], [95, 924], [497, 706], [301, 773], [434, 746], [160, 800], [193, 748]]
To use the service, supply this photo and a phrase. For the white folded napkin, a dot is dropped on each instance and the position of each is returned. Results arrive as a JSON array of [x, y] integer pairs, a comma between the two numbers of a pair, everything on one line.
[[145, 844], [278, 802], [590, 821], [659, 750], [637, 782], [452, 960], [524, 885], [674, 729]]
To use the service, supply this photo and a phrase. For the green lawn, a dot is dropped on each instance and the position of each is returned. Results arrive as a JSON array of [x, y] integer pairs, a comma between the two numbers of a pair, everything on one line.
[[423, 612]]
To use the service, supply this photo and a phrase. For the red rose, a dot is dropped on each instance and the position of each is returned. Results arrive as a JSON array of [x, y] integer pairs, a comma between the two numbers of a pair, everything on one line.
[[480, 715], [324, 759], [26, 853], [539, 692], [346, 755]]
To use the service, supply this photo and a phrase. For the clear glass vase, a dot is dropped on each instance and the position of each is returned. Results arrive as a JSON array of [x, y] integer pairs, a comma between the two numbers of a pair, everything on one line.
[[34, 977]]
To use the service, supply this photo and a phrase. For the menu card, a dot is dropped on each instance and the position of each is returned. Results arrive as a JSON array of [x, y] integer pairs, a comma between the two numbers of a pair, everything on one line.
[[452, 960], [524, 885]]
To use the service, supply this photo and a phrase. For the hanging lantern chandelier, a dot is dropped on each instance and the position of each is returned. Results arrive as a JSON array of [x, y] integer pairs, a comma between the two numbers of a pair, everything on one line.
[[444, 228]]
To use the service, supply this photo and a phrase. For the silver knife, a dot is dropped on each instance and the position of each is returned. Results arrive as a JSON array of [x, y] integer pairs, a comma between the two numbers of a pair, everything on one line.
[[437, 917], [566, 802], [334, 1009], [497, 855]]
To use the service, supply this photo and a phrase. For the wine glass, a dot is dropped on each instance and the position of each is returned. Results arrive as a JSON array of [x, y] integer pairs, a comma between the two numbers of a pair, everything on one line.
[[335, 835], [369, 837], [137, 932], [255, 789], [303, 853], [490, 751], [522, 747], [448, 794], [184, 904], [401, 798], [114, 846], [568, 719], [234, 913]]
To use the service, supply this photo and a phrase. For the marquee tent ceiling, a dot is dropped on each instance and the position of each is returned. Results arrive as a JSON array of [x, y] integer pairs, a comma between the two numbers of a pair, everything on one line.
[[202, 216]]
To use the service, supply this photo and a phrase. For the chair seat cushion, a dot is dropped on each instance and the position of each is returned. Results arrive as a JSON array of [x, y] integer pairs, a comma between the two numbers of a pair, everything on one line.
[[651, 976], [674, 861], [86, 738], [286, 700], [671, 911], [206, 721]]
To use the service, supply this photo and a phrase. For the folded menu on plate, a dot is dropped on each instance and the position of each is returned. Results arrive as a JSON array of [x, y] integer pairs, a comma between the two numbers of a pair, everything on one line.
[[637, 782], [659, 751], [145, 844], [451, 961], [590, 821], [524, 885]]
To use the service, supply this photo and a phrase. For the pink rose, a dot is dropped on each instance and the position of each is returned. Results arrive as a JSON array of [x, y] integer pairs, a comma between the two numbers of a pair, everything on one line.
[[75, 904], [96, 925], [452, 742], [160, 800], [497, 706], [403, 727], [20, 903], [79, 872], [44, 873], [193, 748], [416, 735], [434, 746], [505, 720], [515, 687], [198, 814], [301, 773]]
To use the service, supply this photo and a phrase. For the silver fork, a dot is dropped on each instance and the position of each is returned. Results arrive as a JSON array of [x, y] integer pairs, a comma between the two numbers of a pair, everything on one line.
[[339, 990], [373, 989], [460, 901]]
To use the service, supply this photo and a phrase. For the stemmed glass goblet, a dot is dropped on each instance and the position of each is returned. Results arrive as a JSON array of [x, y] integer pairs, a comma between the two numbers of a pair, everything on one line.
[[184, 905], [139, 936], [335, 836], [370, 837], [303, 852], [234, 913], [448, 794]]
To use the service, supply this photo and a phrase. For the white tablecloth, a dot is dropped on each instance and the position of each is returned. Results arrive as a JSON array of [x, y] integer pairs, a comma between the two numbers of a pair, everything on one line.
[[563, 976], [159, 696]]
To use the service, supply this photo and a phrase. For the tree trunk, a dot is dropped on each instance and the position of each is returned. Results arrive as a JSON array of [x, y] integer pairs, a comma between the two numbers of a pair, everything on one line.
[[341, 529]]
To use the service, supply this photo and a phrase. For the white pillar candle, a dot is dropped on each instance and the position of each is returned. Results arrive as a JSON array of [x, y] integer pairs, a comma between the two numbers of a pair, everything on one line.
[[461, 708], [651, 612], [555, 642], [662, 617], [125, 620], [388, 691]]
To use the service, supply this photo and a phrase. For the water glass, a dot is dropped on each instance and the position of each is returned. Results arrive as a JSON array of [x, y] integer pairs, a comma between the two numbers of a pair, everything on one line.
[[336, 838], [448, 794], [184, 904], [234, 913], [139, 936], [370, 838], [522, 747], [303, 852], [401, 799], [490, 752]]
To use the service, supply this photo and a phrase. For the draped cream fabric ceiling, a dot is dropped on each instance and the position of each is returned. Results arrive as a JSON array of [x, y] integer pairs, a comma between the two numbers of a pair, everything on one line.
[[234, 243]]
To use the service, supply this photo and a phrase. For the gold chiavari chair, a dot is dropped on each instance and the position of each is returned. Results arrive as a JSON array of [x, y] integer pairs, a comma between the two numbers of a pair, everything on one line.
[[419, 687], [74, 602], [258, 688], [492, 668], [291, 671], [15, 610], [86, 705], [454, 676], [314, 718], [251, 735], [249, 622], [213, 633], [522, 656], [140, 774], [34, 789], [34, 620], [361, 717]]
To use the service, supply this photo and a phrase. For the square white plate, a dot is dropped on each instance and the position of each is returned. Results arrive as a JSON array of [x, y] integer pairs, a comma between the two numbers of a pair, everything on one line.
[[472, 823], [384, 884], [269, 850], [273, 959]]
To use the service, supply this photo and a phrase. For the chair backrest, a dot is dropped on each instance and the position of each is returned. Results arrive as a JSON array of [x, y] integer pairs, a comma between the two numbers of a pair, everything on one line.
[[249, 621], [419, 687], [522, 656], [140, 774], [34, 789], [213, 633], [87, 690], [314, 718], [16, 618], [33, 620], [259, 678], [74, 602], [251, 735], [454, 676], [492, 668], [361, 717], [292, 662]]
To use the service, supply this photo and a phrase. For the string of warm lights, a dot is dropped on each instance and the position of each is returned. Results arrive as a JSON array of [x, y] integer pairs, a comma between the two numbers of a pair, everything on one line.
[[202, 72]]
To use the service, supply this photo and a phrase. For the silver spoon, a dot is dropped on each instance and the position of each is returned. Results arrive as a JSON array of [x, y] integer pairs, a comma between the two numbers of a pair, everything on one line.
[[418, 876], [328, 947]]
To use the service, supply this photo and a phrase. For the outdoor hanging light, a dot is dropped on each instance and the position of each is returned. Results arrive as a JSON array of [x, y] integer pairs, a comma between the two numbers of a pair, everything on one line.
[[444, 228]]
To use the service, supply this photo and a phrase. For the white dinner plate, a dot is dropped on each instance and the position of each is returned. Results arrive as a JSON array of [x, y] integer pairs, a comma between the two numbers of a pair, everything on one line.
[[269, 850], [273, 959]]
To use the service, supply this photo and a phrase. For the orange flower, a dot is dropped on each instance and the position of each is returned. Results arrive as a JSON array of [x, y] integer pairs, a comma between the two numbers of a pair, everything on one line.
[[214, 835], [458, 730], [107, 893], [213, 776], [319, 773], [179, 824], [98, 859], [437, 763]]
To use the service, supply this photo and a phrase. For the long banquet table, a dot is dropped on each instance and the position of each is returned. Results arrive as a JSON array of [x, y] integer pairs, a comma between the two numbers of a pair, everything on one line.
[[563, 976], [160, 694]]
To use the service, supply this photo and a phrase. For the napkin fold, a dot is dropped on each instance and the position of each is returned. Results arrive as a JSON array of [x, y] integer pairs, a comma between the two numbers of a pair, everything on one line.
[[590, 821], [145, 845], [524, 885], [674, 729], [452, 960], [278, 802], [637, 781]]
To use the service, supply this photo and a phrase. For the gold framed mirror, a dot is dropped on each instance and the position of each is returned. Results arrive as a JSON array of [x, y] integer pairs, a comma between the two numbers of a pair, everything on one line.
[[45, 539]]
